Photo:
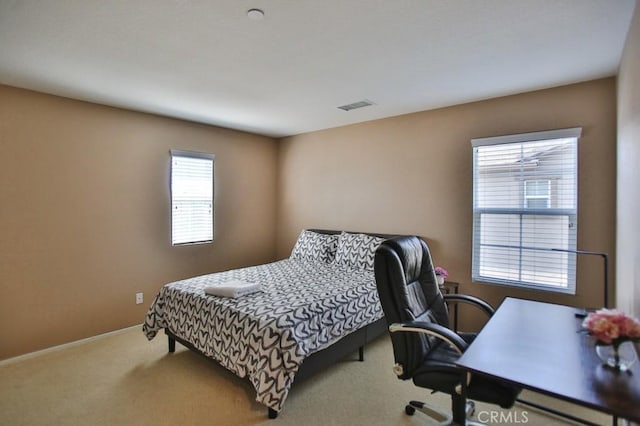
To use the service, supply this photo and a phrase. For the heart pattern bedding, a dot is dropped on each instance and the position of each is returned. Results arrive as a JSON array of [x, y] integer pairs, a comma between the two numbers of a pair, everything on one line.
[[303, 306]]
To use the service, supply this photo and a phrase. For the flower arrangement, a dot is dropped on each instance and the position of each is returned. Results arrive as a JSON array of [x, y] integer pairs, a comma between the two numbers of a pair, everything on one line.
[[439, 270], [611, 327]]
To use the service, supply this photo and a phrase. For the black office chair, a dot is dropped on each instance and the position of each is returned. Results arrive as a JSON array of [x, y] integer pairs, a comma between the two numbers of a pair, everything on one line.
[[424, 346]]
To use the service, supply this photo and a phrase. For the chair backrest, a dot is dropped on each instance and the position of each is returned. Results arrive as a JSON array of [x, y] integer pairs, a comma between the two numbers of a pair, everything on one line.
[[409, 292]]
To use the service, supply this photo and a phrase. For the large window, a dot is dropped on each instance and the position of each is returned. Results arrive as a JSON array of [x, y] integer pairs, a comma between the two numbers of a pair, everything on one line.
[[525, 202], [191, 197]]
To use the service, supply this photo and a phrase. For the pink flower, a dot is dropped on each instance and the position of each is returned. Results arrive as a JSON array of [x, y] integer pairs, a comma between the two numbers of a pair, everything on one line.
[[441, 271], [611, 326]]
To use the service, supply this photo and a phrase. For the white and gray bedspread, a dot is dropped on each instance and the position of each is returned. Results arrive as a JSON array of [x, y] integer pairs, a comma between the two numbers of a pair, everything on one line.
[[304, 307]]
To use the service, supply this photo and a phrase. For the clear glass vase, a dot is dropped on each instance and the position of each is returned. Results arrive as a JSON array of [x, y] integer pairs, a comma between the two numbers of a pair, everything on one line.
[[620, 358]]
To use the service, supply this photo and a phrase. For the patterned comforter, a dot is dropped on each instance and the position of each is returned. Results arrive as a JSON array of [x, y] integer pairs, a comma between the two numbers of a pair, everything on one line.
[[304, 307]]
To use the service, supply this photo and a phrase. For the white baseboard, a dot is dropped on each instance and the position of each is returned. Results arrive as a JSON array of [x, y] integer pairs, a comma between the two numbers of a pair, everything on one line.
[[64, 346]]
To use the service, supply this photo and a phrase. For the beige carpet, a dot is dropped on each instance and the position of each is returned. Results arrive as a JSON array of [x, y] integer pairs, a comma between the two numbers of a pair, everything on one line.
[[122, 379]]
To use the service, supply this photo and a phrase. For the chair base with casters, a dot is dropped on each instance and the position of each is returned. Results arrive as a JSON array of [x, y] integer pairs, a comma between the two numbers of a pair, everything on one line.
[[443, 418]]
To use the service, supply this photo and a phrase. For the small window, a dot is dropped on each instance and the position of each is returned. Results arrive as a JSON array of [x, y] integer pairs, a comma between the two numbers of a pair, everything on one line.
[[537, 194], [525, 204], [191, 197]]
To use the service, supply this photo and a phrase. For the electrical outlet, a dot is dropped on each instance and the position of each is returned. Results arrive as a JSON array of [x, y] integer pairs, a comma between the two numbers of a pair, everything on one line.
[[139, 298]]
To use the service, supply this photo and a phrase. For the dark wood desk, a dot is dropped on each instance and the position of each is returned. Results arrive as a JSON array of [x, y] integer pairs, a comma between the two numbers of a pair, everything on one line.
[[537, 346]]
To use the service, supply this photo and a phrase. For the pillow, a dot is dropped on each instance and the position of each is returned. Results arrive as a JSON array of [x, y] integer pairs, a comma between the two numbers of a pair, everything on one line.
[[357, 250], [315, 246]]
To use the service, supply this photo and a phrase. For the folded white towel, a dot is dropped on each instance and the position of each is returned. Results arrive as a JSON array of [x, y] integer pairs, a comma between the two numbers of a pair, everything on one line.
[[233, 289]]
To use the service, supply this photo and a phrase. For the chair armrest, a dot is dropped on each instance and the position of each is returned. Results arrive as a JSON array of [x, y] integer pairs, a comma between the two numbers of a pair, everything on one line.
[[472, 300], [442, 333]]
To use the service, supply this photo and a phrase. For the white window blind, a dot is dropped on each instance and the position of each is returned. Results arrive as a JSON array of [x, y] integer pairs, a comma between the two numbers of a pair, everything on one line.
[[191, 197], [525, 202]]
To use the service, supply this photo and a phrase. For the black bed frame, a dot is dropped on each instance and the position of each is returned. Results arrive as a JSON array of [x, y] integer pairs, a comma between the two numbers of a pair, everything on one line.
[[320, 360], [317, 361]]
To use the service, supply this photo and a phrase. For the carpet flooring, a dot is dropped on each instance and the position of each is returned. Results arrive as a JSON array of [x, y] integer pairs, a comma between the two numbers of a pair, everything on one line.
[[122, 379]]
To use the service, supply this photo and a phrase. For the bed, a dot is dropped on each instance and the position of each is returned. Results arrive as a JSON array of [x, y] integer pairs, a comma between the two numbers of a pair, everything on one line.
[[313, 308]]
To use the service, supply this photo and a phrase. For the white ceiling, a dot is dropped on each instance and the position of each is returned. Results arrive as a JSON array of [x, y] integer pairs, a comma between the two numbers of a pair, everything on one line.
[[204, 60]]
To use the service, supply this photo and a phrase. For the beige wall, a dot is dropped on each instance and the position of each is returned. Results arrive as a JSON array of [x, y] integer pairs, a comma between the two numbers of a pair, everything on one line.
[[413, 174], [628, 232], [84, 214], [84, 198]]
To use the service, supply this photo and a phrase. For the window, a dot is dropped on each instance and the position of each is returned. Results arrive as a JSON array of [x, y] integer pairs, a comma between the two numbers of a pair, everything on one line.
[[537, 194], [191, 197], [525, 203]]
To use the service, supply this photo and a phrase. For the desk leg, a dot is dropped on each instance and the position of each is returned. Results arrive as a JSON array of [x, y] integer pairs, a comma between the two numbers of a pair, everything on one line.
[[459, 404]]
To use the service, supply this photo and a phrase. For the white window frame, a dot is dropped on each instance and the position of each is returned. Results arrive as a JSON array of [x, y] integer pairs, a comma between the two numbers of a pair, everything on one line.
[[198, 229], [566, 251]]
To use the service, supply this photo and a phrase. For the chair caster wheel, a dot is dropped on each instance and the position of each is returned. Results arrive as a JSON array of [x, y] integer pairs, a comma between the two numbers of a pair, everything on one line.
[[409, 410], [470, 408]]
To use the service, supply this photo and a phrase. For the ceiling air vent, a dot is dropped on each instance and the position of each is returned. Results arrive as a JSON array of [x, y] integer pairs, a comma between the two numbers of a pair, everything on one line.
[[356, 105]]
